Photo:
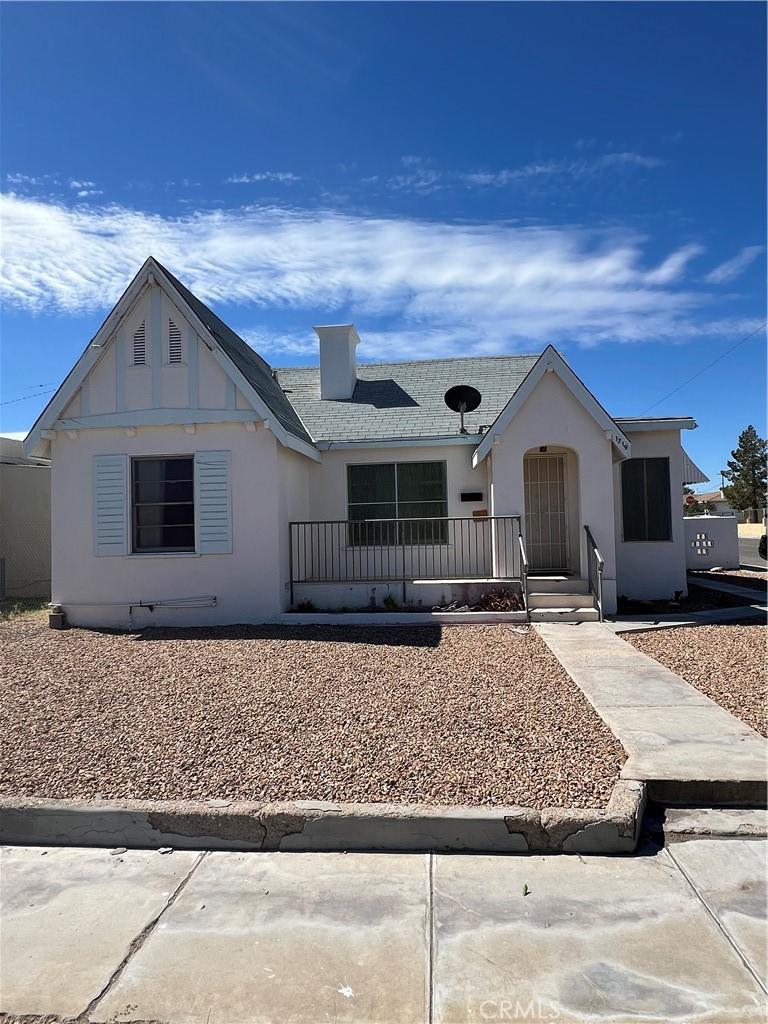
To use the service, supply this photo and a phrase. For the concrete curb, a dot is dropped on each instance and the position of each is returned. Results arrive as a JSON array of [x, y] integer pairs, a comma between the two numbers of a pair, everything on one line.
[[311, 826], [380, 618]]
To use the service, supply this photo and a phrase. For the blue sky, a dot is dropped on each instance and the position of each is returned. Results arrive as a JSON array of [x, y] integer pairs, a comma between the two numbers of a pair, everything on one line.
[[453, 178]]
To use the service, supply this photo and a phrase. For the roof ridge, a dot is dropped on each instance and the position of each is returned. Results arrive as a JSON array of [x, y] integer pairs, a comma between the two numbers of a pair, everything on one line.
[[420, 362]]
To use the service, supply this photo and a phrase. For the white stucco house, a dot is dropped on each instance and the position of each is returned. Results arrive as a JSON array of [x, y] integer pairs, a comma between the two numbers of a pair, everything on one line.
[[194, 484]]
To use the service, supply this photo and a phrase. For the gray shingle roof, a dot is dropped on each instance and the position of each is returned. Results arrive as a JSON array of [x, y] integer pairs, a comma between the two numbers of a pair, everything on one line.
[[404, 400], [255, 370]]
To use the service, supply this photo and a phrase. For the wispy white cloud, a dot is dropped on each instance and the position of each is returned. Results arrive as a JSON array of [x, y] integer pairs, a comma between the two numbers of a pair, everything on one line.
[[450, 288], [73, 183], [284, 177], [575, 169], [90, 192], [421, 176], [27, 179], [732, 268], [674, 265]]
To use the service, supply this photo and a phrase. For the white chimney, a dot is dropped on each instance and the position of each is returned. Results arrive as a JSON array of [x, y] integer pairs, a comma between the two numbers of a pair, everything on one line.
[[337, 360]]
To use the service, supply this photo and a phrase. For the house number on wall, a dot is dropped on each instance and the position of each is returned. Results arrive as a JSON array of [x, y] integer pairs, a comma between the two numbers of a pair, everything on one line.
[[702, 544]]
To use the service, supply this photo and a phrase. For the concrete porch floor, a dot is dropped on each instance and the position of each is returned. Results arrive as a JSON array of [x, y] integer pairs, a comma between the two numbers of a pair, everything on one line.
[[228, 938]]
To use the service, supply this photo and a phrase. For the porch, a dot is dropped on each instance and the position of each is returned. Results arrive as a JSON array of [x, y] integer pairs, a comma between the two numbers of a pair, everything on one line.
[[412, 561]]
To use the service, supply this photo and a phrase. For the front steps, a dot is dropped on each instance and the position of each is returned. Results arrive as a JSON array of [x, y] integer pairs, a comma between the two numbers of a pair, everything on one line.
[[560, 599]]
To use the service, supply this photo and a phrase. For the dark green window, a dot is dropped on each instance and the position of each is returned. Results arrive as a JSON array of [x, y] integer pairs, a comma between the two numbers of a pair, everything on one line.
[[163, 504], [397, 491], [645, 500]]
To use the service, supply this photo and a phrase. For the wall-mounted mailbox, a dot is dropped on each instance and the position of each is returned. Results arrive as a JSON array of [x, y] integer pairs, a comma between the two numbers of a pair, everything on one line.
[[471, 495]]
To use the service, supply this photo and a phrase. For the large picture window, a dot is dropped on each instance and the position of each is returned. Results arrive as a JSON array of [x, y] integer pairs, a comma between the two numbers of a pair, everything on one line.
[[397, 491], [163, 504], [645, 500]]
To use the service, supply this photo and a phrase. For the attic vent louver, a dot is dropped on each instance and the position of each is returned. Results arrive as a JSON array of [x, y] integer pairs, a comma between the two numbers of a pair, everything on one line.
[[140, 344], [174, 343]]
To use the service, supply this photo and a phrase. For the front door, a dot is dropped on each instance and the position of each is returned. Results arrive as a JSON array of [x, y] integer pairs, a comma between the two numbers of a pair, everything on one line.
[[546, 512]]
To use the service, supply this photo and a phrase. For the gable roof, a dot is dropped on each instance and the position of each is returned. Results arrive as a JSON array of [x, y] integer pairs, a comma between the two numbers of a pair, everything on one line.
[[551, 360], [404, 401], [255, 370], [248, 370]]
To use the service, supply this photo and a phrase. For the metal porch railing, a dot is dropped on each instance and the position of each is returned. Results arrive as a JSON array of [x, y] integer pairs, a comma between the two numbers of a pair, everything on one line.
[[450, 549], [595, 565]]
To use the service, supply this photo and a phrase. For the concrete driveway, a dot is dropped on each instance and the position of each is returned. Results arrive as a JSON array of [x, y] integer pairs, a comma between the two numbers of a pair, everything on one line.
[[241, 938]]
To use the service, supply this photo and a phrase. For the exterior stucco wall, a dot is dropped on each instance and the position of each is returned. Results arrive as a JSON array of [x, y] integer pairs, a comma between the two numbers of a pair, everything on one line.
[[328, 480], [711, 541], [293, 506], [97, 590], [647, 570], [552, 417], [25, 530]]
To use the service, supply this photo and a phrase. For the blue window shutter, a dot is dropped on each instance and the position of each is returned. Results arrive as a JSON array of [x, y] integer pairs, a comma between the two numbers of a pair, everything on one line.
[[110, 504], [213, 503]]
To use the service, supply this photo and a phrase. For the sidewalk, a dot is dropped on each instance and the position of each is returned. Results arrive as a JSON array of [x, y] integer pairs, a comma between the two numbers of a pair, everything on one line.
[[684, 745], [272, 938]]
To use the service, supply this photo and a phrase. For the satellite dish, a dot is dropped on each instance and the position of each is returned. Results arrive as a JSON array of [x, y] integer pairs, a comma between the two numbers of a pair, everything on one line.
[[461, 399]]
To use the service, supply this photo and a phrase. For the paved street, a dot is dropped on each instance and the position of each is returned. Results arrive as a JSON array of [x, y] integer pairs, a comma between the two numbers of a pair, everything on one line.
[[233, 938], [748, 552]]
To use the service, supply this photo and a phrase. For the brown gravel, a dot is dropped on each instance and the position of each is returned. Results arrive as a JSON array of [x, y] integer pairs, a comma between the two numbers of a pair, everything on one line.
[[459, 715], [726, 662]]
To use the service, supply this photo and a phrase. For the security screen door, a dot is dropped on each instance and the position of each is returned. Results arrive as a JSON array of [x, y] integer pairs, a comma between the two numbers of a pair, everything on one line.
[[546, 525]]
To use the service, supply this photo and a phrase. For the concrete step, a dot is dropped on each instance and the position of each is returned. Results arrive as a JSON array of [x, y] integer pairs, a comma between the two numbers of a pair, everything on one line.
[[557, 585], [684, 823], [564, 613], [546, 599]]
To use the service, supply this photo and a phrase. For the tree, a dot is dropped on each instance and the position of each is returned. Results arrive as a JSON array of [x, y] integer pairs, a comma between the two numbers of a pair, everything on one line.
[[747, 472]]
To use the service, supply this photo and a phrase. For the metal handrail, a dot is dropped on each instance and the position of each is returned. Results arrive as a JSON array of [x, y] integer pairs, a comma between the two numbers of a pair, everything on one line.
[[450, 548], [524, 575], [596, 564]]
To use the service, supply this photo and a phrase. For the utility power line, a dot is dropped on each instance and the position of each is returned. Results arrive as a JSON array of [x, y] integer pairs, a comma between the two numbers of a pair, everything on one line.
[[705, 368]]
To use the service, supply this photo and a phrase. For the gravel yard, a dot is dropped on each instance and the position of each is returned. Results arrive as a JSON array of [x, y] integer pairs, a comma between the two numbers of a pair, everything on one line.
[[459, 715], [726, 662]]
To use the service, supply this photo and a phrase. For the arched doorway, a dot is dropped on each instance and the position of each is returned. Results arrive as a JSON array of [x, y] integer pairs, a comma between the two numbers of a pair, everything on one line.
[[550, 482]]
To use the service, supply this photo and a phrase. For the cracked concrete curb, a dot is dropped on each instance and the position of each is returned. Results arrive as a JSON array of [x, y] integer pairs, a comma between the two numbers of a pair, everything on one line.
[[318, 825]]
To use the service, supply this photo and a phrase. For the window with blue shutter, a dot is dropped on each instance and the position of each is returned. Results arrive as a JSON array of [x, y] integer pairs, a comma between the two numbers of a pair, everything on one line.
[[172, 504]]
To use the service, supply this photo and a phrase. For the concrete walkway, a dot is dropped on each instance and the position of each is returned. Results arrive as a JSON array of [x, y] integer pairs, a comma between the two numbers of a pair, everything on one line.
[[684, 745], [642, 623], [711, 617], [273, 938]]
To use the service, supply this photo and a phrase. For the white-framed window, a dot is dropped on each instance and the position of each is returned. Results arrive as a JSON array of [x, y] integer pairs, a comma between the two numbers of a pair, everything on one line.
[[162, 504], [646, 500], [384, 500]]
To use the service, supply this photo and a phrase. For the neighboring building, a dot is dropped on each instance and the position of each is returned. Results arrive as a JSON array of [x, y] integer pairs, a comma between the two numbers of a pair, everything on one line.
[[25, 523], [193, 484], [716, 499]]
